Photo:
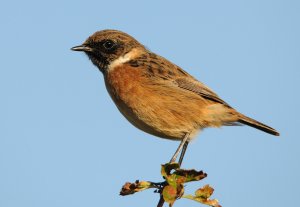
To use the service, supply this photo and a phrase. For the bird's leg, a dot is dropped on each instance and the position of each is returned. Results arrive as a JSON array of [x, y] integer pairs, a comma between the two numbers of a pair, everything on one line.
[[183, 145], [183, 152]]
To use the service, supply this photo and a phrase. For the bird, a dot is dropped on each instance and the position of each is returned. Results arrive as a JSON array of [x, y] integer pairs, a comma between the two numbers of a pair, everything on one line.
[[157, 96]]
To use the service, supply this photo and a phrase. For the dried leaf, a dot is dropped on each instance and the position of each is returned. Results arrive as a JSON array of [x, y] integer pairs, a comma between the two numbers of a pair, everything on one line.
[[171, 193], [175, 180], [167, 168], [166, 173], [184, 176], [131, 188], [204, 192], [202, 195], [180, 176]]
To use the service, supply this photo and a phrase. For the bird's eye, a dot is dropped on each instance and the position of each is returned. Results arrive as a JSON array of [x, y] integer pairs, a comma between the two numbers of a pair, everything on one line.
[[108, 45]]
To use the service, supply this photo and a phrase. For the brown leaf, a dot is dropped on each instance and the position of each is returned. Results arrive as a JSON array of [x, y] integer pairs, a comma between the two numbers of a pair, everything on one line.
[[204, 192], [202, 195], [131, 188], [167, 168], [180, 176], [184, 176], [171, 193]]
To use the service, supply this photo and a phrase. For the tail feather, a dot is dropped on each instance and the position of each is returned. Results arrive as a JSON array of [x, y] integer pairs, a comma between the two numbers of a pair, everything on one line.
[[253, 123]]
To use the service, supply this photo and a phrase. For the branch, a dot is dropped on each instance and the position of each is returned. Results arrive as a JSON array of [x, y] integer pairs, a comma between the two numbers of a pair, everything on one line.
[[172, 188]]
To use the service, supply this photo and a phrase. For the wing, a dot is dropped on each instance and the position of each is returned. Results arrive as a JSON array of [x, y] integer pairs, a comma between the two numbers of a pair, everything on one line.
[[158, 67], [199, 88]]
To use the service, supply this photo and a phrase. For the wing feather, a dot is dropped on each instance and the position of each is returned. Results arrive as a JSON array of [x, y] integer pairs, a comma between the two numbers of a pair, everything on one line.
[[198, 88], [163, 70]]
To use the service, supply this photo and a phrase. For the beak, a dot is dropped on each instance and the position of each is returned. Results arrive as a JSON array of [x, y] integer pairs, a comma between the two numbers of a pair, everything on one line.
[[83, 48]]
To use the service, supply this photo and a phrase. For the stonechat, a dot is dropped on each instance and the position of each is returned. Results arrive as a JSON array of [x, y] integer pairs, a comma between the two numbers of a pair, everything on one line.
[[155, 95]]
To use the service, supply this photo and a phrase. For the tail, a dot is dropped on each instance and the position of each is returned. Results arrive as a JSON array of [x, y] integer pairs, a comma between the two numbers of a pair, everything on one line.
[[253, 123]]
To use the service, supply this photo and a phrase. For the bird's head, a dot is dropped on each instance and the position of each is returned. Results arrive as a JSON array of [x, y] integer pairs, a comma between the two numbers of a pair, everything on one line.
[[105, 46]]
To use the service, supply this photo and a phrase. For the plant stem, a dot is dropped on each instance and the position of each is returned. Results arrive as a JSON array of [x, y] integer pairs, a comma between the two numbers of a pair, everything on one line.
[[161, 201]]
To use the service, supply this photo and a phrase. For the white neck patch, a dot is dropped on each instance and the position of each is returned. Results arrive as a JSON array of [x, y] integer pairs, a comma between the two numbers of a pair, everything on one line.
[[123, 59]]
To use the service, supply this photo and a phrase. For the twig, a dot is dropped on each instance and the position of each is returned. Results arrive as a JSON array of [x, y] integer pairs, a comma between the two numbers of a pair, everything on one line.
[[161, 201]]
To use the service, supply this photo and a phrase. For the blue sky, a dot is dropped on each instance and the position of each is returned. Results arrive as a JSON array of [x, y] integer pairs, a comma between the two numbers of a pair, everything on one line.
[[64, 143]]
